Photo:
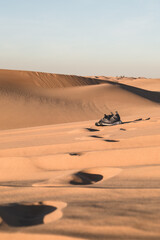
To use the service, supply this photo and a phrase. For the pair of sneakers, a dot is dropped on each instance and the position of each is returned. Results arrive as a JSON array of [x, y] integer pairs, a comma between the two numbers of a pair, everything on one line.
[[108, 120]]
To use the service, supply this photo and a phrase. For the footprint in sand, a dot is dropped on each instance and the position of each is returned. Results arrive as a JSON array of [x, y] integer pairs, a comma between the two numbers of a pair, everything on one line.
[[111, 140], [81, 177], [92, 129], [30, 214], [76, 153], [93, 175], [122, 129], [95, 136]]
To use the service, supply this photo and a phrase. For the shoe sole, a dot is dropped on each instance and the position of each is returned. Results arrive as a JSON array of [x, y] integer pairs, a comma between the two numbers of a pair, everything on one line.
[[108, 124]]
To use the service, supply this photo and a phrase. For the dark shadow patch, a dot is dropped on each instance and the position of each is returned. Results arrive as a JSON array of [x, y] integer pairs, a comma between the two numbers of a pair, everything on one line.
[[95, 136], [122, 129], [151, 95], [136, 120], [82, 178], [21, 215], [75, 154], [92, 129], [109, 140]]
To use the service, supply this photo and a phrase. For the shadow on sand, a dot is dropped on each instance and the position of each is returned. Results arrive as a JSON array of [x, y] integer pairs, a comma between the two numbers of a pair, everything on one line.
[[154, 96], [19, 215], [82, 178], [137, 120]]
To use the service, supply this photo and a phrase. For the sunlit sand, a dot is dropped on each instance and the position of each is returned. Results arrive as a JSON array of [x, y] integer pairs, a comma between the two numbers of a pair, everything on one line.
[[62, 177]]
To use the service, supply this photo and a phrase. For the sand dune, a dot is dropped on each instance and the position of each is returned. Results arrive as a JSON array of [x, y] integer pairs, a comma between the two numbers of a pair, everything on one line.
[[144, 83], [147, 84], [42, 80], [30, 103], [61, 176]]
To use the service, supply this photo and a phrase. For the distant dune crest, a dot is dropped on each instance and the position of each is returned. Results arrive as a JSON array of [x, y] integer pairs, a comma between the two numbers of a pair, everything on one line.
[[44, 80]]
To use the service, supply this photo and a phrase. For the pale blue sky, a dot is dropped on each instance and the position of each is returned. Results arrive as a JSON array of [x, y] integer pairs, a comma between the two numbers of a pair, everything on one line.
[[83, 37]]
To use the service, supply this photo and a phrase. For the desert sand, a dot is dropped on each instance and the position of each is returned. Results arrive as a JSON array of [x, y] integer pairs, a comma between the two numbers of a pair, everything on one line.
[[64, 178]]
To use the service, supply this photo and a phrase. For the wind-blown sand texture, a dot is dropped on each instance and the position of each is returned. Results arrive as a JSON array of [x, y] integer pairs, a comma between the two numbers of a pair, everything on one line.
[[64, 178]]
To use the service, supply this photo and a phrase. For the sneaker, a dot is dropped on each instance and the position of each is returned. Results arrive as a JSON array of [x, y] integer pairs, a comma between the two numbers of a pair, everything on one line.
[[113, 120]]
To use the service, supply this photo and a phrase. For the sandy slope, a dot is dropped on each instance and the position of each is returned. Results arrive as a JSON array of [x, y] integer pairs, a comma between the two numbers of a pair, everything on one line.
[[31, 103], [145, 83], [74, 180]]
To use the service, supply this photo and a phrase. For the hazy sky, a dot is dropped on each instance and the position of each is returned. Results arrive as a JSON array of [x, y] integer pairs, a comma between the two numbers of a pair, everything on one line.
[[83, 37]]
